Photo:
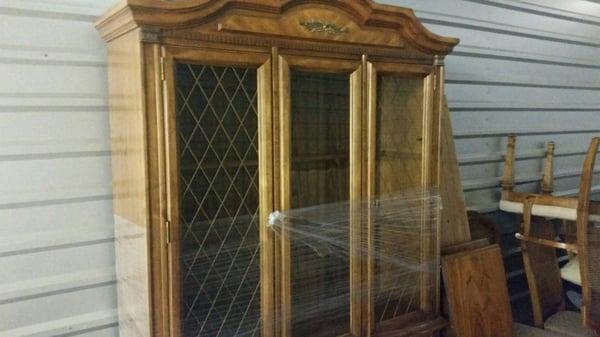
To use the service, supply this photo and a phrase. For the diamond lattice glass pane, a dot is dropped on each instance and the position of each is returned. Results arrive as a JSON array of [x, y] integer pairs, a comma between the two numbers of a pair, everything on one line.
[[320, 175], [217, 140], [398, 169]]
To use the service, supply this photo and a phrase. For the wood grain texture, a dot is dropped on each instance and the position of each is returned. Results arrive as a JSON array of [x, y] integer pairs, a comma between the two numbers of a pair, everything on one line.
[[465, 246], [172, 205], [548, 178], [349, 13], [541, 268], [283, 105], [587, 238], [268, 306], [455, 249], [454, 222], [130, 184], [430, 244], [356, 187], [157, 189], [477, 294], [400, 134], [508, 177], [297, 22]]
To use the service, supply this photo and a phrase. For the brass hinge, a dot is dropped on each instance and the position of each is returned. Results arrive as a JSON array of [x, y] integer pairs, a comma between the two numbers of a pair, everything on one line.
[[435, 82], [162, 68], [168, 231]]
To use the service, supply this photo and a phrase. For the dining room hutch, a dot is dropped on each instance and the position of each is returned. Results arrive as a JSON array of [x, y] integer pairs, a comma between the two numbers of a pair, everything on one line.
[[222, 111]]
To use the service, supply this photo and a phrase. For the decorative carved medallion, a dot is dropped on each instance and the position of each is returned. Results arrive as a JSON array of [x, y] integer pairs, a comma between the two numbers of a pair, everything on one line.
[[323, 27]]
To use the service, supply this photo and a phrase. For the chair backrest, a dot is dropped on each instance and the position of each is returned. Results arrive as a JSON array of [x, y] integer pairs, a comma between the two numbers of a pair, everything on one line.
[[588, 240], [475, 284], [541, 267], [539, 260]]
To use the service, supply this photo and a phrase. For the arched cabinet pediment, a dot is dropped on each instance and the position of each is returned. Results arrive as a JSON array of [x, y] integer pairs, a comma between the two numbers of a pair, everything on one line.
[[223, 111], [361, 22]]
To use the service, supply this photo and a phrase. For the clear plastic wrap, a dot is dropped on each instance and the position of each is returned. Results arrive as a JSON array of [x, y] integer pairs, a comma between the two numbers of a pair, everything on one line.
[[388, 247], [342, 258]]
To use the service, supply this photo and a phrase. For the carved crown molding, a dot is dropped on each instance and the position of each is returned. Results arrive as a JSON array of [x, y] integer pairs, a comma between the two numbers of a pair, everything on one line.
[[187, 14]]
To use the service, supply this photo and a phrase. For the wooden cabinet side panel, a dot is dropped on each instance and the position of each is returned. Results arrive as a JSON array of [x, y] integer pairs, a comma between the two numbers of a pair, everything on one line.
[[130, 184], [454, 223]]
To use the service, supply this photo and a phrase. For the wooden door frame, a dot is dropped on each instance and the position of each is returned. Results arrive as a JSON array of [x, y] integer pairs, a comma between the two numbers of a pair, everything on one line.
[[231, 56]]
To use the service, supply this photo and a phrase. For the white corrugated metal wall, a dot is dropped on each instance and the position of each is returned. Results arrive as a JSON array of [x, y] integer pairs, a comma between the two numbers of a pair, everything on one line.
[[531, 67], [525, 66], [56, 228]]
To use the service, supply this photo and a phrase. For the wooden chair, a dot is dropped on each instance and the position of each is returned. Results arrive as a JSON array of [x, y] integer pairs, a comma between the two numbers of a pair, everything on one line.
[[539, 244], [478, 299], [547, 205]]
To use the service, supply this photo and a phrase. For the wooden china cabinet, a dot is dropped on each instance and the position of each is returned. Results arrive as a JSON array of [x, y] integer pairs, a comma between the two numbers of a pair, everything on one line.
[[223, 111]]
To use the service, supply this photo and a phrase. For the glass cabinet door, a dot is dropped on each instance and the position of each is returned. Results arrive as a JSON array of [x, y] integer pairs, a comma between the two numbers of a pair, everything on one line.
[[398, 163], [213, 146], [218, 167], [317, 117], [400, 167], [319, 175]]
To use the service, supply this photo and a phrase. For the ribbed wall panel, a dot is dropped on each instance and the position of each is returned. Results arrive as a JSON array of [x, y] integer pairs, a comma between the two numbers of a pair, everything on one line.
[[529, 67], [56, 227]]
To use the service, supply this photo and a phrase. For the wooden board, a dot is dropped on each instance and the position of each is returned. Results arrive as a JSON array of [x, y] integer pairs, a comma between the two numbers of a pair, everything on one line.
[[465, 246], [477, 293], [454, 249], [454, 221]]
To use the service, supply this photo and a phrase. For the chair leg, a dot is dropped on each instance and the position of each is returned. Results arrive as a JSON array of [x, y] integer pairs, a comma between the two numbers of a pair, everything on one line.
[[508, 178], [548, 180]]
